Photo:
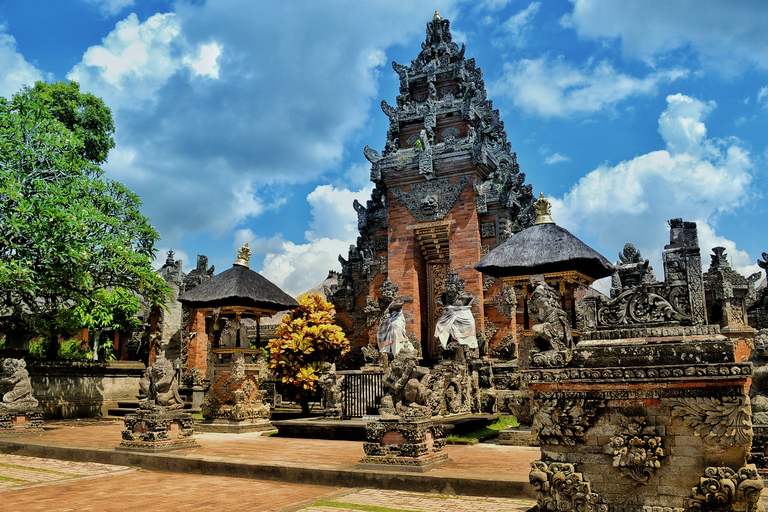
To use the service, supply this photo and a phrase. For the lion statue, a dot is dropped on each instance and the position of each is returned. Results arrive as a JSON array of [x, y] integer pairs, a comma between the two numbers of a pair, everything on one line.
[[163, 388]]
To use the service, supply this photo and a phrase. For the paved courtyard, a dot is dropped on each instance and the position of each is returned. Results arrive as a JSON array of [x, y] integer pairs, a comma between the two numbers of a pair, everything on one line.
[[38, 484]]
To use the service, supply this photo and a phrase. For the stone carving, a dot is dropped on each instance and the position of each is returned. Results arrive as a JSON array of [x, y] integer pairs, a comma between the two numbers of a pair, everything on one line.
[[406, 385], [488, 280], [724, 422], [488, 229], [505, 302], [391, 335], [506, 349], [442, 192], [559, 487], [636, 449], [631, 271], [456, 322], [564, 421], [649, 373], [425, 155], [552, 331], [722, 488], [163, 388], [332, 384], [727, 292], [15, 380], [449, 137], [758, 391]]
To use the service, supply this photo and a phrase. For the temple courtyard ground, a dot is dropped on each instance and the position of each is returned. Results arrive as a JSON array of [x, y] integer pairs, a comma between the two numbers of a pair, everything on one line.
[[74, 466]]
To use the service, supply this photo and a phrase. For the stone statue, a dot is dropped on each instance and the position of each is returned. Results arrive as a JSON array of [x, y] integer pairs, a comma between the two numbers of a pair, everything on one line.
[[390, 334], [406, 385], [631, 271], [16, 378], [163, 389], [331, 384], [456, 322], [552, 331]]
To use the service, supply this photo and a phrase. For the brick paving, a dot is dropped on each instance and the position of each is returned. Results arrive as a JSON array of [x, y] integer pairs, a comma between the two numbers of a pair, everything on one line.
[[29, 483], [421, 502]]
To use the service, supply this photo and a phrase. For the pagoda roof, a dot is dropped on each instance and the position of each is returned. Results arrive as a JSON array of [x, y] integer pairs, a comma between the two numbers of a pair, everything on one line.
[[238, 286], [541, 249]]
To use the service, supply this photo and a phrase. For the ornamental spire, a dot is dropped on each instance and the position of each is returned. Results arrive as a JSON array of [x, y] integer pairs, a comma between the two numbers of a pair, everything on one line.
[[542, 207], [243, 255]]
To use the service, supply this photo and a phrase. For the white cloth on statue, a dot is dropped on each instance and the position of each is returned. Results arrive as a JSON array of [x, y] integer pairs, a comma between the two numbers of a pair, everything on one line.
[[390, 334], [457, 321]]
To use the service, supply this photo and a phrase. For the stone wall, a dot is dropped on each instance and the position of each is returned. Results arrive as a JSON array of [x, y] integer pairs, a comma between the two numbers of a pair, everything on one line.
[[83, 389]]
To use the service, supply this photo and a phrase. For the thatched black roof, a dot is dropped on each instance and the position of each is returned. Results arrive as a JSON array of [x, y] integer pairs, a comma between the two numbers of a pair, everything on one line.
[[541, 249], [238, 286]]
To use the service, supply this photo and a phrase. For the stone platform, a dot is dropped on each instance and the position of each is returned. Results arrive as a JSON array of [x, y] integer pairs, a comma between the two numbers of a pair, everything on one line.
[[158, 431], [23, 421], [477, 470]]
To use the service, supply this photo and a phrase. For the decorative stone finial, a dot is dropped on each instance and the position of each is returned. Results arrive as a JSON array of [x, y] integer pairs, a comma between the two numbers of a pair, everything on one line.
[[542, 207], [243, 255], [437, 16]]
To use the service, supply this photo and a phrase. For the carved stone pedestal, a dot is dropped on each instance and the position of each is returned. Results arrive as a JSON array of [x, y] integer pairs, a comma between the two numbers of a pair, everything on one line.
[[20, 421], [404, 445], [158, 431], [234, 404]]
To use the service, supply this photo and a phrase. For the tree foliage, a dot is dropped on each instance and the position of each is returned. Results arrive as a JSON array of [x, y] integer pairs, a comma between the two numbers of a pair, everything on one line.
[[306, 338], [66, 231]]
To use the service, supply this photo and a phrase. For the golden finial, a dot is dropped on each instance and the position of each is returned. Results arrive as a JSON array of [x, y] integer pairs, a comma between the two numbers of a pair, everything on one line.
[[437, 16], [243, 255], [542, 210]]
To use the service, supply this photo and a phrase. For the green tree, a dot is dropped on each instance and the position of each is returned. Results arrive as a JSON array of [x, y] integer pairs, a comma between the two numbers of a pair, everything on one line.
[[303, 342], [66, 231], [82, 113]]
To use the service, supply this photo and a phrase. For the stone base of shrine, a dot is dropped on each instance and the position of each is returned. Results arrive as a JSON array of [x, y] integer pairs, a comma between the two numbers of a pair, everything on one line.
[[158, 431], [412, 464], [402, 444], [235, 427], [520, 436], [21, 421]]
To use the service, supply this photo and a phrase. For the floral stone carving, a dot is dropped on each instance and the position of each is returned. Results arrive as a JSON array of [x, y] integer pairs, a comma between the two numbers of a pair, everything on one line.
[[636, 449], [726, 489], [564, 420], [725, 422], [559, 487]]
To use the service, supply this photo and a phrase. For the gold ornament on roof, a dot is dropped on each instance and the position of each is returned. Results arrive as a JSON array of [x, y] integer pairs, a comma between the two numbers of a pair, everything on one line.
[[243, 255], [437, 16], [542, 207]]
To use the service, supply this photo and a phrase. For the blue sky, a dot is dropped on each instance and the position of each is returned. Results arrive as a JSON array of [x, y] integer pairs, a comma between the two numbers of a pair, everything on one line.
[[245, 120]]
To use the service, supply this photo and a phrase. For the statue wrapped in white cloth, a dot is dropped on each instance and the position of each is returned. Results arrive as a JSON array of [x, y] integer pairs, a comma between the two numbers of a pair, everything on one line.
[[456, 322], [391, 336]]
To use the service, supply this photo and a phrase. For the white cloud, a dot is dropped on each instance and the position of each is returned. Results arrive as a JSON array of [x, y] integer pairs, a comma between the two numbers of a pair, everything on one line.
[[111, 7], [556, 158], [554, 88], [517, 28], [726, 35], [693, 177], [16, 70], [299, 267], [221, 107], [762, 94]]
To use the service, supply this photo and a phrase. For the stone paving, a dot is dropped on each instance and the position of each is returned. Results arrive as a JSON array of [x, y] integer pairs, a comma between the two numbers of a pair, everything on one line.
[[417, 502], [32, 483]]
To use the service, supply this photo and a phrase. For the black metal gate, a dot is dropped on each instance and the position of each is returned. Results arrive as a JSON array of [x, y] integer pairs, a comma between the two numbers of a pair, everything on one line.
[[362, 394]]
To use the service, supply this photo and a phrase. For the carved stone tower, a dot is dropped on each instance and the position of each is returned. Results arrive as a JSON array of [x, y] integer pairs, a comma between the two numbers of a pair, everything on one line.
[[448, 190]]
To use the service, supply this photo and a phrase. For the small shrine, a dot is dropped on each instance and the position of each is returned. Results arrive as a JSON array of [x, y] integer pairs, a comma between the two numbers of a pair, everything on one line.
[[221, 311], [160, 423]]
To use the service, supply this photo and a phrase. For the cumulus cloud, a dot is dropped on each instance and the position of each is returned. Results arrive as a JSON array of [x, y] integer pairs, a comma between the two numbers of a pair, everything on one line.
[[555, 88], [221, 108], [762, 96], [16, 70], [694, 177], [297, 268], [726, 35]]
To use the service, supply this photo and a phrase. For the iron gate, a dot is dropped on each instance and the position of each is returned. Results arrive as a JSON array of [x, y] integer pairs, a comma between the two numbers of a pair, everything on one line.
[[362, 394]]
